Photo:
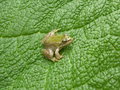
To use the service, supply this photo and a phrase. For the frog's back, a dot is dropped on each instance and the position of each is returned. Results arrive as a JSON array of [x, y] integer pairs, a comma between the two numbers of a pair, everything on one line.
[[56, 39]]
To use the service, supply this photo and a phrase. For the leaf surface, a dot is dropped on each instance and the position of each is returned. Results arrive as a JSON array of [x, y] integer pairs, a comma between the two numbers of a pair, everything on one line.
[[91, 62]]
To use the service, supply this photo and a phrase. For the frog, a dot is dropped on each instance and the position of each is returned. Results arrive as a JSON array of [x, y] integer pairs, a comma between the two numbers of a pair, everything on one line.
[[53, 43]]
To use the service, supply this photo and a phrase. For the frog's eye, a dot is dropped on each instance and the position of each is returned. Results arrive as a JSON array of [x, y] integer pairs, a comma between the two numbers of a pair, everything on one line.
[[64, 40]]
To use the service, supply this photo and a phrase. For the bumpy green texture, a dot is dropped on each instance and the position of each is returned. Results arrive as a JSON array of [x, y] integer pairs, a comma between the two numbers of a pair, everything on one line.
[[91, 62]]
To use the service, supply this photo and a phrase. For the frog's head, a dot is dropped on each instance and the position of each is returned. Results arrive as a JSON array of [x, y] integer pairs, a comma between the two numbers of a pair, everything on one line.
[[66, 40]]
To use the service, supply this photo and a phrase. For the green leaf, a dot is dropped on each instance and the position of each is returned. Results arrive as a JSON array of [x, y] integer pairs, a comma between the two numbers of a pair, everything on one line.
[[91, 62]]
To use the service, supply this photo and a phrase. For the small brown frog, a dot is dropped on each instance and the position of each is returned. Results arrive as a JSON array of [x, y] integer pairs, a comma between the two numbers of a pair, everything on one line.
[[53, 44]]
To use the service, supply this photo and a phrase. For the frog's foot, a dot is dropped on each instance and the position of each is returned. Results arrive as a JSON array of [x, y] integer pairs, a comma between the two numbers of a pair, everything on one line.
[[54, 59], [59, 57], [52, 33], [56, 30]]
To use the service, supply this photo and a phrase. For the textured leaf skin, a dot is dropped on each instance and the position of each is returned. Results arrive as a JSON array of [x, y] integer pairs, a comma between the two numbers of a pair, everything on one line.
[[91, 62]]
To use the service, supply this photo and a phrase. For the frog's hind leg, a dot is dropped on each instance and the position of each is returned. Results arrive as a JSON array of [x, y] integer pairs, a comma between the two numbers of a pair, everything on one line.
[[48, 53], [53, 32]]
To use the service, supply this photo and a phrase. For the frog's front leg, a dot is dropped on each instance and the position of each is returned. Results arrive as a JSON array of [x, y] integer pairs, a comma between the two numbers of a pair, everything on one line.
[[57, 54]]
